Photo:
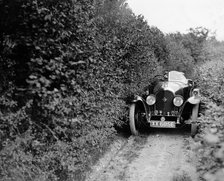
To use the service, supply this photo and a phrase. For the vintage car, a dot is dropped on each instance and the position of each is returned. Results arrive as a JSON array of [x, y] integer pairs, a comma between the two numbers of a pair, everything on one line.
[[170, 101]]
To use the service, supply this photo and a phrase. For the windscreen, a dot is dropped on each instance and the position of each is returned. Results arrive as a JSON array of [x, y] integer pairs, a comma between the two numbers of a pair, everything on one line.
[[175, 76]]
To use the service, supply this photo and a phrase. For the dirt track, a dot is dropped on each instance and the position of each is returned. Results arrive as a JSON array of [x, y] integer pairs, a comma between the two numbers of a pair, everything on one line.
[[162, 155]]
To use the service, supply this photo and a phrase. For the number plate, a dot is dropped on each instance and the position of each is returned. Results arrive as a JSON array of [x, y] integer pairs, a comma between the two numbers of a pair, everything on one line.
[[164, 124]]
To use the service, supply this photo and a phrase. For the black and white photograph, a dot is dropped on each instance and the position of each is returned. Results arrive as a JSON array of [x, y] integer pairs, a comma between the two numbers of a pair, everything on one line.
[[111, 90]]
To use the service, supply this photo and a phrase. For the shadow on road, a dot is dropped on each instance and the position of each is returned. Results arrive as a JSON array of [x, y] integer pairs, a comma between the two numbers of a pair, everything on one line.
[[185, 130]]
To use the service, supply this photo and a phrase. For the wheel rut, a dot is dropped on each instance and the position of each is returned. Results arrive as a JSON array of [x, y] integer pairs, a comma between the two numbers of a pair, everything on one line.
[[162, 155]]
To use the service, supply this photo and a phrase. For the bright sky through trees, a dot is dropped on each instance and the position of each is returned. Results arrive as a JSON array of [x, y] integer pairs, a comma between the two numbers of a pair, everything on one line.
[[180, 15]]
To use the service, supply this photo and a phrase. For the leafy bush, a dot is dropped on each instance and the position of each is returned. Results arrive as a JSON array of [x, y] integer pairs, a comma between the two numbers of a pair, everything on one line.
[[67, 70], [179, 57], [209, 141], [187, 50], [210, 78]]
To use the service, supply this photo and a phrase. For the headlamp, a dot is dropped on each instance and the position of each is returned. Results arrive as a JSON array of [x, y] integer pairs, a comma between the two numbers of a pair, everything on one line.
[[151, 99], [178, 101]]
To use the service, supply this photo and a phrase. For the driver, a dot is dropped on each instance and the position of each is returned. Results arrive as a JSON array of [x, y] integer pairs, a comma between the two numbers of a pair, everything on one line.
[[156, 83]]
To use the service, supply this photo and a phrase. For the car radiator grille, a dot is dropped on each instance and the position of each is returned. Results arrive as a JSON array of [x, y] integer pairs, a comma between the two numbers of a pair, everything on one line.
[[164, 102]]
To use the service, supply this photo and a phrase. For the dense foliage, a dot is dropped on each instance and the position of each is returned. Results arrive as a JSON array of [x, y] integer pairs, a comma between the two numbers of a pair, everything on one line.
[[187, 50], [209, 141], [209, 144], [67, 70], [210, 78]]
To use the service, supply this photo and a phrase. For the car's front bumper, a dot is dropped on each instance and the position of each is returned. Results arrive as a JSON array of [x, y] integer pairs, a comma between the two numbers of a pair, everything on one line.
[[164, 118]]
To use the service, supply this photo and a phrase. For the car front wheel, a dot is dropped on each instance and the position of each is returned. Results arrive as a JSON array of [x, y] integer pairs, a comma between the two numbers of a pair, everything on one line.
[[134, 118]]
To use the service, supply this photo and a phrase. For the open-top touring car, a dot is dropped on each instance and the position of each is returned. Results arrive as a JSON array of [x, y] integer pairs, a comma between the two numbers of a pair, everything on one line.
[[166, 103]]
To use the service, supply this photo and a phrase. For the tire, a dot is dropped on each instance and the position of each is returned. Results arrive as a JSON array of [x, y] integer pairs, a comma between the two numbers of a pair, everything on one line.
[[132, 119], [194, 129], [194, 116]]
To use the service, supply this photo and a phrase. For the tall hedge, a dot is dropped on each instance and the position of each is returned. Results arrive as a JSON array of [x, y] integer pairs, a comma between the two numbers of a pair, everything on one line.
[[187, 50], [67, 70]]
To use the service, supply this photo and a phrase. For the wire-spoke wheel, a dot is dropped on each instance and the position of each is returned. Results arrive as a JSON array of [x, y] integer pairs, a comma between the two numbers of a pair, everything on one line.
[[134, 118]]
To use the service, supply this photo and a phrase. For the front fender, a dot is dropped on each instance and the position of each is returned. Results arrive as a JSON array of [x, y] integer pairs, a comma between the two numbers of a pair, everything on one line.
[[137, 98], [194, 100], [140, 101]]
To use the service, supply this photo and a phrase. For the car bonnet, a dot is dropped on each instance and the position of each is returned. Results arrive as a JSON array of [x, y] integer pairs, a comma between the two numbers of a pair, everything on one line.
[[170, 86]]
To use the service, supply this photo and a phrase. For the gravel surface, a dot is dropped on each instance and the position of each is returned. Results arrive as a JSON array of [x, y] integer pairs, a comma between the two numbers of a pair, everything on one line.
[[161, 155]]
